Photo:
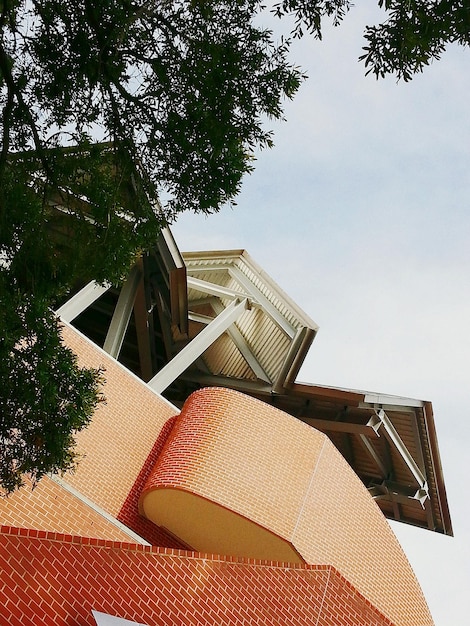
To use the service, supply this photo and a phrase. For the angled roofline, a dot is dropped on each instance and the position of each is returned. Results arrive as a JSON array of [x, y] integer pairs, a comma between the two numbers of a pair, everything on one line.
[[390, 440]]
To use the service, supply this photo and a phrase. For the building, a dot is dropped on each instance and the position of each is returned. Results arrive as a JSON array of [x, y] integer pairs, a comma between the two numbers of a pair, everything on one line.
[[214, 488]]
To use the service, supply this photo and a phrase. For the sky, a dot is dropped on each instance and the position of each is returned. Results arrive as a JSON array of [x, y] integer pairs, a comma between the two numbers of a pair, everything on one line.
[[361, 214]]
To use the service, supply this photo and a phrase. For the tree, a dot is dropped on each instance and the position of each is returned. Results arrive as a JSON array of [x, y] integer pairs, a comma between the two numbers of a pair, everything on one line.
[[413, 33], [104, 106], [45, 396], [178, 91]]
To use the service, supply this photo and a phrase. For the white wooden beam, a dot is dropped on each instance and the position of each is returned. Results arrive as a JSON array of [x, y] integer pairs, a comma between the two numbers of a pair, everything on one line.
[[263, 301], [278, 386], [199, 318], [197, 346], [376, 458], [244, 349], [395, 439], [204, 286], [122, 313], [81, 301], [393, 403]]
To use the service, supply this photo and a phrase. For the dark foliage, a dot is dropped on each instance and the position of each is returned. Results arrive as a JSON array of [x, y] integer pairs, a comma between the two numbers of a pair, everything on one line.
[[176, 93], [413, 33]]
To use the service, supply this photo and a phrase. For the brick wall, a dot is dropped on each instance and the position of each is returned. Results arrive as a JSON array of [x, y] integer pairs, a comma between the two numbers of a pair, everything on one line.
[[51, 507], [117, 451], [231, 448], [122, 434], [129, 513], [262, 464], [56, 580]]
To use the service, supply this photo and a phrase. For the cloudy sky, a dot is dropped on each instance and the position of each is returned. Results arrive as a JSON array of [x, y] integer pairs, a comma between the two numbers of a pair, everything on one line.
[[361, 214]]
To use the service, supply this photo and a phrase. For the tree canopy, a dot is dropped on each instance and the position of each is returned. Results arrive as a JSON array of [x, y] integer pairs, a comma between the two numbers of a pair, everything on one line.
[[178, 91], [168, 97], [412, 34]]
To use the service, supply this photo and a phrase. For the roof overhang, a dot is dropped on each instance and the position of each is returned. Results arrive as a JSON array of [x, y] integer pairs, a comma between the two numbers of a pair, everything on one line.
[[216, 318], [389, 441]]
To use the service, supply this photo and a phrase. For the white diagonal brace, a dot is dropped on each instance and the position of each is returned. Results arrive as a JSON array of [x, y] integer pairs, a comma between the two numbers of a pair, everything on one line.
[[199, 318], [244, 349], [397, 441], [197, 346], [122, 313], [81, 301], [377, 460], [263, 301], [204, 286]]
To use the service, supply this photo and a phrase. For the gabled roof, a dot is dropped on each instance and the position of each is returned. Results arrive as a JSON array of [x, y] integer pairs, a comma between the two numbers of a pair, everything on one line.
[[267, 342]]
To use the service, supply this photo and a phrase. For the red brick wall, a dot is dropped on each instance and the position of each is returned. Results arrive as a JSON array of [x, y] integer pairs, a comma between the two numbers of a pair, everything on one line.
[[56, 580], [129, 513], [288, 478]]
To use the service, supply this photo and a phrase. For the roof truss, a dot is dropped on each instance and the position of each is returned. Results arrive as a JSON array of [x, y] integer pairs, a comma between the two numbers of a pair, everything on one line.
[[389, 441]]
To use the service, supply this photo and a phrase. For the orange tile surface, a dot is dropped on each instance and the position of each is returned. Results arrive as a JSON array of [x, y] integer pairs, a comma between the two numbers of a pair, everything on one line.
[[122, 434], [249, 458], [56, 580], [50, 507], [288, 478]]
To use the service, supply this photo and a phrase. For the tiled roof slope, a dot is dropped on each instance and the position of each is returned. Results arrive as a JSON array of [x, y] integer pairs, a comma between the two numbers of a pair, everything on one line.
[[56, 580]]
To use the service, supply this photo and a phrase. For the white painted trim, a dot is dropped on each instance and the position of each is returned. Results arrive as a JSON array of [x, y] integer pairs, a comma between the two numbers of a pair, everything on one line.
[[122, 313], [128, 372], [81, 301], [193, 350], [132, 535]]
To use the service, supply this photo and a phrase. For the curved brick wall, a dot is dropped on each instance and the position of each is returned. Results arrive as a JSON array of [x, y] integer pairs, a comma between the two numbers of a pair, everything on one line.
[[228, 452], [117, 452]]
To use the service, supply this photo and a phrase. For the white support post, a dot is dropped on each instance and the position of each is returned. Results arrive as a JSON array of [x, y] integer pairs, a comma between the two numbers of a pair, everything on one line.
[[197, 346], [263, 301], [278, 386], [396, 440], [212, 289], [122, 314], [81, 301]]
